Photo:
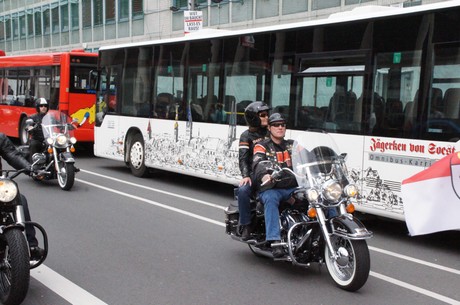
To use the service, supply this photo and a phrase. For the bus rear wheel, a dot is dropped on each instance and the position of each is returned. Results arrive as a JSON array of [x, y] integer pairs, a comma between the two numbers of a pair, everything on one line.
[[136, 155]]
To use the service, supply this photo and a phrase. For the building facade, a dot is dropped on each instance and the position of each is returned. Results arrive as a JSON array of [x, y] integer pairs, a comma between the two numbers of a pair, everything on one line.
[[33, 26]]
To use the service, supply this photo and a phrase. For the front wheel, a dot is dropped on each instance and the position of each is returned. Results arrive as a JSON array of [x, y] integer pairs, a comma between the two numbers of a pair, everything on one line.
[[137, 156], [351, 268], [14, 267], [66, 175]]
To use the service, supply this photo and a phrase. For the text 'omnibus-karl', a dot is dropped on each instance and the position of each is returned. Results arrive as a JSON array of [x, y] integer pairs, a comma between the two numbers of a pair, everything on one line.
[[61, 78], [385, 82]]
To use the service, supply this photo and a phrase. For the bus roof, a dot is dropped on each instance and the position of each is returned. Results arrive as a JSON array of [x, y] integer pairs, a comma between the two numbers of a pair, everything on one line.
[[42, 59], [358, 13]]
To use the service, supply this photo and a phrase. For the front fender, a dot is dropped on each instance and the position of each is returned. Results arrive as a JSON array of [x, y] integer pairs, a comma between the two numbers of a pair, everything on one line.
[[349, 227], [4, 228], [66, 157]]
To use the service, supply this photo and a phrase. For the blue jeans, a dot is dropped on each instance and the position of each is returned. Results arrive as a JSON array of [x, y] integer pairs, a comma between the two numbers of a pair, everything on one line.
[[244, 203], [271, 199]]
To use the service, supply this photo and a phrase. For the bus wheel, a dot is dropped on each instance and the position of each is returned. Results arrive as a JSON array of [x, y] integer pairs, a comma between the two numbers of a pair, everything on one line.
[[23, 134], [137, 156]]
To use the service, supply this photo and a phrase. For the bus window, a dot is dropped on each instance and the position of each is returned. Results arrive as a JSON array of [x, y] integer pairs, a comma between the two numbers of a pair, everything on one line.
[[169, 82], [245, 71], [396, 81], [443, 120]]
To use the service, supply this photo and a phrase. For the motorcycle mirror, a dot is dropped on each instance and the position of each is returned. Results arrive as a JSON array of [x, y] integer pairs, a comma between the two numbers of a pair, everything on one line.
[[29, 122], [344, 156]]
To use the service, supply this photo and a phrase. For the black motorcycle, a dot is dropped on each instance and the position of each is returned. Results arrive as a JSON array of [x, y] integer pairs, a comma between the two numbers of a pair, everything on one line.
[[56, 161], [15, 261], [319, 227]]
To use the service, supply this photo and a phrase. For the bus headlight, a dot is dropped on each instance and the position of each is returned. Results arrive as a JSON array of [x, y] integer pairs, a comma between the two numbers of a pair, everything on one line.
[[8, 191], [351, 190], [332, 191]]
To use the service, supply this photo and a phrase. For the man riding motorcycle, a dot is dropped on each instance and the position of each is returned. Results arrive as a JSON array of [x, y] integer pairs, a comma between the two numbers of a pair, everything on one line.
[[37, 139], [14, 158], [278, 151]]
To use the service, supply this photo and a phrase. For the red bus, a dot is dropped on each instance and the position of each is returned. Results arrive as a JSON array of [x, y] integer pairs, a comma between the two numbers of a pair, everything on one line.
[[61, 78]]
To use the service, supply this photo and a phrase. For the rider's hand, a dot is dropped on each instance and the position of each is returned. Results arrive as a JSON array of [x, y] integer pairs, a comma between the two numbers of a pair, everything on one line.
[[266, 178], [245, 181]]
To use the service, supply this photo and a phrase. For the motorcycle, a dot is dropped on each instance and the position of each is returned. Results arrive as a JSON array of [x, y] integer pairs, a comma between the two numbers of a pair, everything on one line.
[[15, 261], [57, 161], [319, 226]]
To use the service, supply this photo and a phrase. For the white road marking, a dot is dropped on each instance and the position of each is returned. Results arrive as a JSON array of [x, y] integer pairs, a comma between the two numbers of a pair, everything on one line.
[[63, 287], [428, 293], [155, 190], [374, 274]]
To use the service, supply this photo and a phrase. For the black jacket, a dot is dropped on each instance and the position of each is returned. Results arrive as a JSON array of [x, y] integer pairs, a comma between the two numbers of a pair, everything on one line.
[[248, 140], [37, 132], [9, 152], [279, 154]]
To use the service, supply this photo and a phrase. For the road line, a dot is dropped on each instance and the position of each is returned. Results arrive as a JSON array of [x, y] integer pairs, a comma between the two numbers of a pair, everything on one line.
[[155, 203], [415, 260], [415, 288], [154, 189], [63, 287], [374, 274]]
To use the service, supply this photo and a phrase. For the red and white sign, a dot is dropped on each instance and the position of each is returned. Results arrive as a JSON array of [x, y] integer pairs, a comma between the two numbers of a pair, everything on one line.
[[193, 21], [432, 197]]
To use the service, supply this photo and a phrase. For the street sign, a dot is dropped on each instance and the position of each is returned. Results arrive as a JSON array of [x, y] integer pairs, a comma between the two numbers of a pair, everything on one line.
[[193, 21]]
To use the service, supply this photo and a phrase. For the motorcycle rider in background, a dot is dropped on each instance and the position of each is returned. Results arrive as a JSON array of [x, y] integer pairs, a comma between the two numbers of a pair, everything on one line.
[[37, 139], [256, 115], [278, 151], [14, 158]]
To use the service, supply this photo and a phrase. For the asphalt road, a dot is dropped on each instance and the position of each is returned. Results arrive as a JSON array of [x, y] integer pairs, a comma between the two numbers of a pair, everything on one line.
[[118, 239]]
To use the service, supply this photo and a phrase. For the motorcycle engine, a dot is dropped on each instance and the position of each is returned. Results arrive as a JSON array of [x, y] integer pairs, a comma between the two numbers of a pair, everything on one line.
[[290, 217]]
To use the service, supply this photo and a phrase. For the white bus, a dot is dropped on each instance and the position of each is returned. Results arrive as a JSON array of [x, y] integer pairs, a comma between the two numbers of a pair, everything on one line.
[[384, 81]]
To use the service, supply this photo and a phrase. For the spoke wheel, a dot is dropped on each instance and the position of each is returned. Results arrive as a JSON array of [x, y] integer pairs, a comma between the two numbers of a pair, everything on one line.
[[14, 267], [351, 268]]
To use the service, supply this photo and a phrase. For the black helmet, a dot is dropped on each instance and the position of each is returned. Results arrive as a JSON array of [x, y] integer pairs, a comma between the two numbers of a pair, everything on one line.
[[276, 118], [39, 102], [251, 113]]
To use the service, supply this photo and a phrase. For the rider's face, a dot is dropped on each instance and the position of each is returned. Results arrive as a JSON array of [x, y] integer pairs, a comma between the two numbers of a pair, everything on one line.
[[278, 130], [43, 109], [263, 118]]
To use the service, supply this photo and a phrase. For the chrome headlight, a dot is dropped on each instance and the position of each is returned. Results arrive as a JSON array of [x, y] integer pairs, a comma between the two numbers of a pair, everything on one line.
[[332, 191], [8, 191], [73, 140], [49, 141], [61, 140], [312, 195], [351, 190]]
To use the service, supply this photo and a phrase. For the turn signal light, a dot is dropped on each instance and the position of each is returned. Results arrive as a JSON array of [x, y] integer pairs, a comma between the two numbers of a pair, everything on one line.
[[311, 213], [50, 149], [350, 208], [72, 149]]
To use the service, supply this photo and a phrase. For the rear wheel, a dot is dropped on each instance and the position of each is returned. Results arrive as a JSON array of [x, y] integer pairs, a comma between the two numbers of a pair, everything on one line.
[[351, 268], [66, 175], [14, 267], [137, 156]]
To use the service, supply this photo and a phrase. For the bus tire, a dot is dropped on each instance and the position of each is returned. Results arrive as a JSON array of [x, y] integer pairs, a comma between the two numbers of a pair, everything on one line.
[[23, 135], [136, 156]]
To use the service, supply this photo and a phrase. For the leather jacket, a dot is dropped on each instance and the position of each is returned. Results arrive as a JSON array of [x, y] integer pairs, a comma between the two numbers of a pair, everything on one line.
[[248, 140], [279, 154], [9, 152], [37, 132]]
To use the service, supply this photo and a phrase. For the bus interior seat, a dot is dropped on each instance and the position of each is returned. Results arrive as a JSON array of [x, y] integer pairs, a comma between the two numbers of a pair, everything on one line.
[[229, 100], [452, 103], [283, 110], [437, 102], [163, 103], [394, 115], [197, 112]]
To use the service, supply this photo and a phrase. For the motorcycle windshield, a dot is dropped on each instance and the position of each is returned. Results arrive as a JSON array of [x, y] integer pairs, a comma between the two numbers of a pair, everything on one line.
[[313, 157], [56, 123]]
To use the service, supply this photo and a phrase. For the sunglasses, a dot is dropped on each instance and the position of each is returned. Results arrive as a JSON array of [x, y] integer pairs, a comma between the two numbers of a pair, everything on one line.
[[43, 106], [263, 115], [278, 125]]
